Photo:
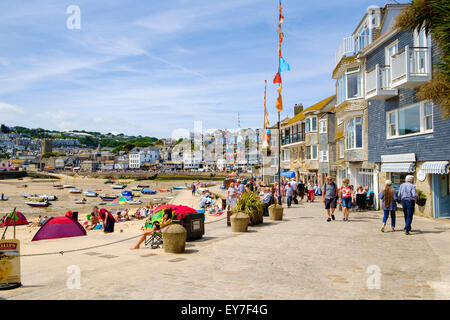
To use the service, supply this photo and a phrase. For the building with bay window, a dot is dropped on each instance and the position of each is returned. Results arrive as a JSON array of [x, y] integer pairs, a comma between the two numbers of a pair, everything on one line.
[[407, 135]]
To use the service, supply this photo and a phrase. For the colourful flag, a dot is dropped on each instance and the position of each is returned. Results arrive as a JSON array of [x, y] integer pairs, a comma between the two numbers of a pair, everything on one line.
[[279, 104], [277, 78], [284, 66]]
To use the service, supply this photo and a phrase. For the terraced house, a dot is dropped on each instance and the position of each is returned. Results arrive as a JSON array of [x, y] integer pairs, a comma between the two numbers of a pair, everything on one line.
[[306, 138], [351, 114], [406, 135]]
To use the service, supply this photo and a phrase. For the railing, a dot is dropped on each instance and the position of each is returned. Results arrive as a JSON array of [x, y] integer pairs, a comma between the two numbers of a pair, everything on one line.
[[385, 78], [371, 80], [378, 78], [411, 61], [352, 45]]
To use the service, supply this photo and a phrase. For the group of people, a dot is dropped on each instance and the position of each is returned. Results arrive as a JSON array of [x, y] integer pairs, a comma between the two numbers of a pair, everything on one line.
[[406, 195]]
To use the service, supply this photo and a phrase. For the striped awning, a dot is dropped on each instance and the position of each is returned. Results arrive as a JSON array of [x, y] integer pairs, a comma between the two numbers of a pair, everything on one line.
[[436, 167], [408, 167]]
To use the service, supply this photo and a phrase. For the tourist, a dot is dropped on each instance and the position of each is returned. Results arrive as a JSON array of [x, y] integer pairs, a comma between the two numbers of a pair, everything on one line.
[[36, 223], [241, 188], [107, 218], [94, 222], [388, 204], [289, 193], [329, 197], [166, 220], [232, 195], [310, 188], [407, 194], [294, 190], [346, 196], [301, 190], [360, 198], [266, 199], [193, 188], [369, 197]]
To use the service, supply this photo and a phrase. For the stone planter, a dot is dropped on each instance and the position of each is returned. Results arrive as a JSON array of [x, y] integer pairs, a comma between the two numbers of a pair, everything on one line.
[[255, 221], [239, 222], [421, 202], [276, 212], [174, 238]]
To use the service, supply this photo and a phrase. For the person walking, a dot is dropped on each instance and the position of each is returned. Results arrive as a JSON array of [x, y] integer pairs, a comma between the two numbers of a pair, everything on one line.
[[193, 188], [301, 190], [232, 195], [389, 204], [310, 188], [289, 193], [407, 194], [329, 197], [294, 190], [346, 196]]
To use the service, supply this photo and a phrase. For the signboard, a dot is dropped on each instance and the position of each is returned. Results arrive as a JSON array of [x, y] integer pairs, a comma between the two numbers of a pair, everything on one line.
[[9, 262], [404, 157], [421, 175]]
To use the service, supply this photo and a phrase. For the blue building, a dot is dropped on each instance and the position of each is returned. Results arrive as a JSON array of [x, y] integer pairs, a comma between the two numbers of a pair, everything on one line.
[[406, 135]]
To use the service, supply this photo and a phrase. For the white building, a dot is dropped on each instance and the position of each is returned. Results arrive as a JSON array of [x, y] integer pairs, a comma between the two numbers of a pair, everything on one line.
[[139, 156]]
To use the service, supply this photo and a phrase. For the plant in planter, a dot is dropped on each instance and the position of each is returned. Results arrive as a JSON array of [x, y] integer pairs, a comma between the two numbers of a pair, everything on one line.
[[250, 204], [421, 198]]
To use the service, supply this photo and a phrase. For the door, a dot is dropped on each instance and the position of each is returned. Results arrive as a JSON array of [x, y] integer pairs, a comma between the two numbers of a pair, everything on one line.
[[441, 195]]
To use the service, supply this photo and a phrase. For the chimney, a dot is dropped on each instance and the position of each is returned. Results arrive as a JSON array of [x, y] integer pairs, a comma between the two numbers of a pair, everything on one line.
[[298, 108]]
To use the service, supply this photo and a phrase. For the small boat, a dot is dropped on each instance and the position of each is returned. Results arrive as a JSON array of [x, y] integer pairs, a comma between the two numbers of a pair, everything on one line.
[[179, 188], [4, 198], [134, 202], [142, 186], [127, 193], [148, 191], [36, 198], [119, 186], [163, 190], [136, 189], [83, 201], [68, 186], [90, 193], [75, 191], [106, 197], [38, 204], [50, 198], [58, 186]]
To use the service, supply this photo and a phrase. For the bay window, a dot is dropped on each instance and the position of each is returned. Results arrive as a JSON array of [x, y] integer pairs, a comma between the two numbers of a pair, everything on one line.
[[413, 119], [353, 133], [323, 156], [323, 126], [311, 124], [349, 86]]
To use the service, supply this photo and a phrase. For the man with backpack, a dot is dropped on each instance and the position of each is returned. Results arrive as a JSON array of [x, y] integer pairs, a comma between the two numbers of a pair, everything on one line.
[[330, 196]]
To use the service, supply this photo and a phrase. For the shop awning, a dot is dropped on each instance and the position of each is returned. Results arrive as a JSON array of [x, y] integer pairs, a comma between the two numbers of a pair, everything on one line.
[[408, 167], [436, 167], [288, 174]]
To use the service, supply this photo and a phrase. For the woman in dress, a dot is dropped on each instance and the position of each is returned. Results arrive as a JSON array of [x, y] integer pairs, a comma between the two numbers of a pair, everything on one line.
[[389, 200]]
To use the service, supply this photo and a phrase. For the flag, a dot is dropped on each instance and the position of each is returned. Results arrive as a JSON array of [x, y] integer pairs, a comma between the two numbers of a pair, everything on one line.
[[284, 66], [279, 104], [266, 120], [277, 78], [279, 88], [13, 215]]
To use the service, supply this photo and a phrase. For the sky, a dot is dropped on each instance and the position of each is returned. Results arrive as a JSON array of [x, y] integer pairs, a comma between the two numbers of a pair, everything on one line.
[[151, 68]]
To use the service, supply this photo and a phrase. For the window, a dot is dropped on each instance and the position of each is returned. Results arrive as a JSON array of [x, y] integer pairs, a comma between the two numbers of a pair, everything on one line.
[[313, 152], [354, 78], [307, 126], [341, 148], [314, 124], [410, 120], [353, 133], [323, 156], [323, 126]]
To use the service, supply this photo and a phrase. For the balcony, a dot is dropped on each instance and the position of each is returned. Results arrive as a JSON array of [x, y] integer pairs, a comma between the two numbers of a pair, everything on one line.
[[351, 46], [378, 83], [411, 67]]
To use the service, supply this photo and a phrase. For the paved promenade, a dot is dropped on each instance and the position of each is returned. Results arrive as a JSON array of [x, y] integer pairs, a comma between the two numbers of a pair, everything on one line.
[[301, 257]]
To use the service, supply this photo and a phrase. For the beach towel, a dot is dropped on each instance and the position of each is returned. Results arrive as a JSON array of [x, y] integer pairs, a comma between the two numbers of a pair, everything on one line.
[[99, 226]]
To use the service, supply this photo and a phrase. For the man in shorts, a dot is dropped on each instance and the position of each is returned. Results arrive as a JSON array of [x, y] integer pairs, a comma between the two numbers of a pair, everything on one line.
[[329, 197]]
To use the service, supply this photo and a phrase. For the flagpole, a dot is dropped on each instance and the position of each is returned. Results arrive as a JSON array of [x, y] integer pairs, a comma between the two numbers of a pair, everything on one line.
[[279, 160]]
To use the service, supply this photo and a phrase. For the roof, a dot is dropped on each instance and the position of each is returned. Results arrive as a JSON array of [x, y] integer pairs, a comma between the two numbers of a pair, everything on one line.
[[316, 107]]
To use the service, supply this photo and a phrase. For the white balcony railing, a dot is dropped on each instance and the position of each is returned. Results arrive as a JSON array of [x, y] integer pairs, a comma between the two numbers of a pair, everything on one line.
[[411, 67], [351, 46], [378, 83]]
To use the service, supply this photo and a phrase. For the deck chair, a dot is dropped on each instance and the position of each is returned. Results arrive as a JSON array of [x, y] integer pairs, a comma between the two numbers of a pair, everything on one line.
[[154, 240]]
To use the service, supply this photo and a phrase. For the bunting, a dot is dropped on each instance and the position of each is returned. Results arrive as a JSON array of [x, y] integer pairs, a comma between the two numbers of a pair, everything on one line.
[[282, 64]]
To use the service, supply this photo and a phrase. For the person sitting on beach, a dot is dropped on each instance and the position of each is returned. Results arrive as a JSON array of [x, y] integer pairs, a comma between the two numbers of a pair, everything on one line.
[[107, 218], [167, 220], [94, 222], [43, 221], [36, 223]]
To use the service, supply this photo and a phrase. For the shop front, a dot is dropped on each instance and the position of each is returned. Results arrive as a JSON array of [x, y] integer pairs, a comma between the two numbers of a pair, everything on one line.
[[438, 174]]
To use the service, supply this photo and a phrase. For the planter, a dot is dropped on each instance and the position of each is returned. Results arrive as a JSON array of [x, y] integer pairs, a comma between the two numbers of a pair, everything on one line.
[[239, 222], [276, 212], [195, 226], [255, 219], [174, 238], [421, 202]]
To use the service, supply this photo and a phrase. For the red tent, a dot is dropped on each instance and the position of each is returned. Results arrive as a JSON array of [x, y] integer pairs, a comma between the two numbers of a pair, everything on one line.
[[10, 222], [179, 212], [59, 227]]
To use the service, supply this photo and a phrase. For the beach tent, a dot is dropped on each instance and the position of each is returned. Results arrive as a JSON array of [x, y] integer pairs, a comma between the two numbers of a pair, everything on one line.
[[288, 174], [10, 222], [59, 227], [121, 200]]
